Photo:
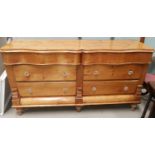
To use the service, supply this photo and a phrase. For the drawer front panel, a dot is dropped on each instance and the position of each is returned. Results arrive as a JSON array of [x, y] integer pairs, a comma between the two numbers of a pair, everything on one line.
[[48, 101], [41, 89], [116, 58], [41, 59], [109, 87], [107, 72], [44, 73]]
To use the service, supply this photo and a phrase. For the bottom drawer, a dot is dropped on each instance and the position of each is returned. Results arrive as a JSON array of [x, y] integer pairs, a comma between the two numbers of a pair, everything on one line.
[[41, 89], [109, 87], [111, 99], [47, 101]]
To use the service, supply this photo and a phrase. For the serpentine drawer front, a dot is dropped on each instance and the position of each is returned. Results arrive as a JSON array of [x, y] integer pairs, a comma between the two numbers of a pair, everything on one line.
[[97, 72], [120, 58], [44, 73]]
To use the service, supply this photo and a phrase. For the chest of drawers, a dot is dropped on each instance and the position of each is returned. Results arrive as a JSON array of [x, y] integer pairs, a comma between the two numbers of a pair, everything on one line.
[[75, 72]]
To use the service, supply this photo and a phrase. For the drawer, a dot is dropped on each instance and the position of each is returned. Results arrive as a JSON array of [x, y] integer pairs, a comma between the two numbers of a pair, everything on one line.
[[110, 72], [116, 58], [45, 73], [48, 101], [109, 87], [44, 89], [41, 58]]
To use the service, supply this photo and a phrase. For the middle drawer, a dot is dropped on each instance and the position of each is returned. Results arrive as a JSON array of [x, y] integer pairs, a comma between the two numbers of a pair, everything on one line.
[[112, 72], [45, 73]]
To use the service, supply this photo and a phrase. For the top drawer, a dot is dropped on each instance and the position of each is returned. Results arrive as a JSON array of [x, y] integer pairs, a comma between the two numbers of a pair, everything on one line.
[[41, 58], [116, 58]]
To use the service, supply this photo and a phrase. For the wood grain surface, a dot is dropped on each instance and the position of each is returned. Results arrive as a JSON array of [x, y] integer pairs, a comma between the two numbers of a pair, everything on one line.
[[46, 73]]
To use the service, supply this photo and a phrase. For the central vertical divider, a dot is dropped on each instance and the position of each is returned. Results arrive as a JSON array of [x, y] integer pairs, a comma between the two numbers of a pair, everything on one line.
[[79, 84]]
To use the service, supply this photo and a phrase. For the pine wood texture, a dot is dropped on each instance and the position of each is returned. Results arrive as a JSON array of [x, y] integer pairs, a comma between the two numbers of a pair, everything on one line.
[[109, 87], [43, 89], [41, 59], [75, 72], [113, 72], [48, 101], [116, 58], [90, 46], [111, 99], [45, 73], [43, 46]]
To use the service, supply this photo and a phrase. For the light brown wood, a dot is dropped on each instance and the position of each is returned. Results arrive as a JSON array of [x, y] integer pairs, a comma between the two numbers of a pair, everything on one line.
[[41, 59], [41, 89], [70, 101], [111, 99], [13, 85], [42, 46], [75, 72], [79, 85], [47, 101], [74, 45], [109, 87], [112, 72], [90, 46], [116, 59], [45, 73]]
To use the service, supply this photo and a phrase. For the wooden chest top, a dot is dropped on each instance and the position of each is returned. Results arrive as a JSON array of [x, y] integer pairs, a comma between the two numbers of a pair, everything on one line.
[[75, 46], [114, 45]]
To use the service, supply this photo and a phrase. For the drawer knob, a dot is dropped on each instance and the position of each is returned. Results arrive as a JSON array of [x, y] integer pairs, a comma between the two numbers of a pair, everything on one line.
[[65, 90], [96, 73], [130, 72], [26, 74], [126, 88], [29, 90], [65, 74], [94, 89]]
